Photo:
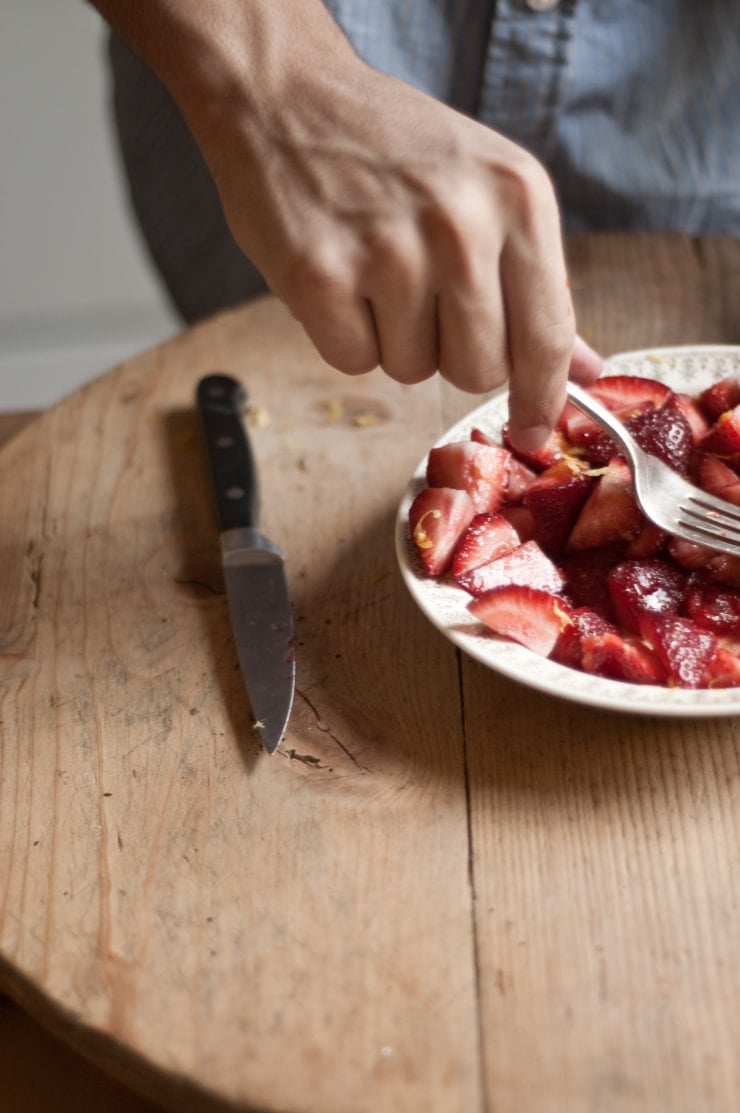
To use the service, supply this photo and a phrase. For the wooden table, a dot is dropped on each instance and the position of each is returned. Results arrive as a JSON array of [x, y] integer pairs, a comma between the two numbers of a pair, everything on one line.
[[446, 893]]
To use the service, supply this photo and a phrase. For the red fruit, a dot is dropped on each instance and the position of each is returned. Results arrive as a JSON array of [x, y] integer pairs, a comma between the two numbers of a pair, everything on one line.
[[487, 537], [651, 585], [664, 433], [526, 565], [533, 618], [592, 442], [721, 396], [723, 670], [689, 555], [480, 469], [684, 649], [622, 392], [586, 624], [713, 607], [586, 578], [723, 438], [554, 499], [520, 478], [610, 512], [716, 478], [478, 435], [691, 410], [649, 542], [619, 658], [521, 519], [554, 448], [724, 569], [438, 516]]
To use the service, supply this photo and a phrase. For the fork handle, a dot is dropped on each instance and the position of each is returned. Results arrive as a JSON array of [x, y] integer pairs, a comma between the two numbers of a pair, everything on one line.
[[592, 407]]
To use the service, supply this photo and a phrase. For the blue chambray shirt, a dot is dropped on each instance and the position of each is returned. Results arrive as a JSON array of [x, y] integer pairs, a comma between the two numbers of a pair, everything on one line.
[[633, 105]]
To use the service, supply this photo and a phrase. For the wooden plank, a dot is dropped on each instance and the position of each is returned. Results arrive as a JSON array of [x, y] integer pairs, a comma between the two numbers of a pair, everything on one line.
[[605, 847], [212, 925]]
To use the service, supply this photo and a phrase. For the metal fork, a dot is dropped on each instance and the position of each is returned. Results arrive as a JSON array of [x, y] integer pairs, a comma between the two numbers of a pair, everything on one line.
[[669, 501]]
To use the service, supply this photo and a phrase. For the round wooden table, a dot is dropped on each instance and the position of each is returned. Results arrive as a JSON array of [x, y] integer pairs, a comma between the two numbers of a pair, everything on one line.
[[445, 892]]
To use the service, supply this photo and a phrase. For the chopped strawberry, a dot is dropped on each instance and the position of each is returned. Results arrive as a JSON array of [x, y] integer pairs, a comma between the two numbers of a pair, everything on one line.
[[723, 568], [665, 433], [592, 442], [608, 654], [586, 578], [713, 607], [531, 617], [645, 585], [723, 438], [586, 624], [649, 542], [520, 478], [723, 670], [716, 478], [610, 512], [719, 397], [526, 565], [689, 555], [521, 519], [481, 470], [695, 416], [487, 537], [622, 392], [554, 499], [438, 516], [554, 448], [481, 437], [684, 649]]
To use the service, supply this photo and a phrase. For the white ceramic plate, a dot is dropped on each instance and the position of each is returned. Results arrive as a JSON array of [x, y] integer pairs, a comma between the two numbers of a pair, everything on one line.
[[688, 370]]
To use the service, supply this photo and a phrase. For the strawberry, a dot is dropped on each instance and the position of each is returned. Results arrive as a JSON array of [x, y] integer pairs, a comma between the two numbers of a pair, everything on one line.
[[716, 478], [554, 448], [586, 578], [649, 542], [527, 615], [608, 654], [628, 392], [586, 623], [610, 512], [689, 555], [723, 438], [723, 568], [719, 397], [480, 469], [554, 499], [713, 607], [521, 519], [519, 477], [645, 585], [438, 516], [487, 537], [684, 649], [695, 416], [526, 565], [723, 670], [665, 433], [481, 437]]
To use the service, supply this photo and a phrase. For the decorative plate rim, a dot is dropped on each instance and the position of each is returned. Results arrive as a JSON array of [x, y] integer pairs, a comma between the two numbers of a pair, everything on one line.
[[444, 603]]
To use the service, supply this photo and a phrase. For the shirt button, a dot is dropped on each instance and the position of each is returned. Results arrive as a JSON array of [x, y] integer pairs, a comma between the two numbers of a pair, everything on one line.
[[542, 5]]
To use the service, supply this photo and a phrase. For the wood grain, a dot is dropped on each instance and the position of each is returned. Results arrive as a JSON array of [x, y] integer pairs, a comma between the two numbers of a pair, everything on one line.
[[445, 892]]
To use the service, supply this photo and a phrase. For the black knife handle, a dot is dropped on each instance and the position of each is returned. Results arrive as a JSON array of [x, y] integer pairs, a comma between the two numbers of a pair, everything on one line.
[[221, 401]]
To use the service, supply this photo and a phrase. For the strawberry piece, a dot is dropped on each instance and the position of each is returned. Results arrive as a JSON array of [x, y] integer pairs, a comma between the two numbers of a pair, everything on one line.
[[689, 555], [438, 516], [520, 478], [480, 469], [592, 442], [723, 438], [723, 670], [586, 623], [521, 519], [716, 478], [488, 537], [608, 654], [554, 449], [724, 569], [684, 649], [713, 607], [695, 416], [554, 499], [719, 397], [526, 565], [622, 392], [665, 433], [586, 578], [531, 617], [649, 542], [651, 585], [610, 512]]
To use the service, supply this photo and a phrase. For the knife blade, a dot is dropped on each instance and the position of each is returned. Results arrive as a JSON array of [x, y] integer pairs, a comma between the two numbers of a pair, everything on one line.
[[254, 567]]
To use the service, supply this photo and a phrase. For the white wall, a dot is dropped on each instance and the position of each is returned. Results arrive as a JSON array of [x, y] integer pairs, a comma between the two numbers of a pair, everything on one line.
[[76, 290]]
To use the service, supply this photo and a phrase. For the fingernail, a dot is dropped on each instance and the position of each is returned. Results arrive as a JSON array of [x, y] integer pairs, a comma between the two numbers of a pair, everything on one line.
[[530, 438]]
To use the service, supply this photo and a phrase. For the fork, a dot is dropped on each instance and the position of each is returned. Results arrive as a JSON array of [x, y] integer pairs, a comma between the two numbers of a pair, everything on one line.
[[670, 502]]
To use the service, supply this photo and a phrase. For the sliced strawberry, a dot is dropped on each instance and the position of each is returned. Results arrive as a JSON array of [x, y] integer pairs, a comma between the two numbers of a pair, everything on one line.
[[684, 649], [665, 433], [650, 541], [716, 478], [480, 469], [608, 654], [487, 537], [689, 555], [554, 499], [586, 578], [695, 416], [622, 392], [521, 519], [592, 442], [610, 512], [719, 397], [723, 670], [554, 448], [526, 565], [520, 478], [713, 607], [723, 568], [481, 437], [533, 618], [438, 516], [651, 585], [723, 438], [586, 624]]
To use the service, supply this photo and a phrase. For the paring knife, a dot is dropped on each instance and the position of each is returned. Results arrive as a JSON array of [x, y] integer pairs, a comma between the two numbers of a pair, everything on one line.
[[254, 567]]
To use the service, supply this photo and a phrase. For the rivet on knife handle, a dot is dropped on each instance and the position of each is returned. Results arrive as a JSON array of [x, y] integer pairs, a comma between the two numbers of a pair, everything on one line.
[[254, 567]]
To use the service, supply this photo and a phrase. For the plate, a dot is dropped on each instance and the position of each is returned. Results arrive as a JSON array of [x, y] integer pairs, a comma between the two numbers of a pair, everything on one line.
[[688, 370]]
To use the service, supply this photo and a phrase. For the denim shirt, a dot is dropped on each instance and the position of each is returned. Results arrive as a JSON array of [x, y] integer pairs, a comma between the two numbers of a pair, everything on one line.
[[633, 105]]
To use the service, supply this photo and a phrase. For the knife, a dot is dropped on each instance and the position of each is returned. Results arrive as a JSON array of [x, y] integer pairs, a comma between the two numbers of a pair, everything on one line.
[[254, 567]]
